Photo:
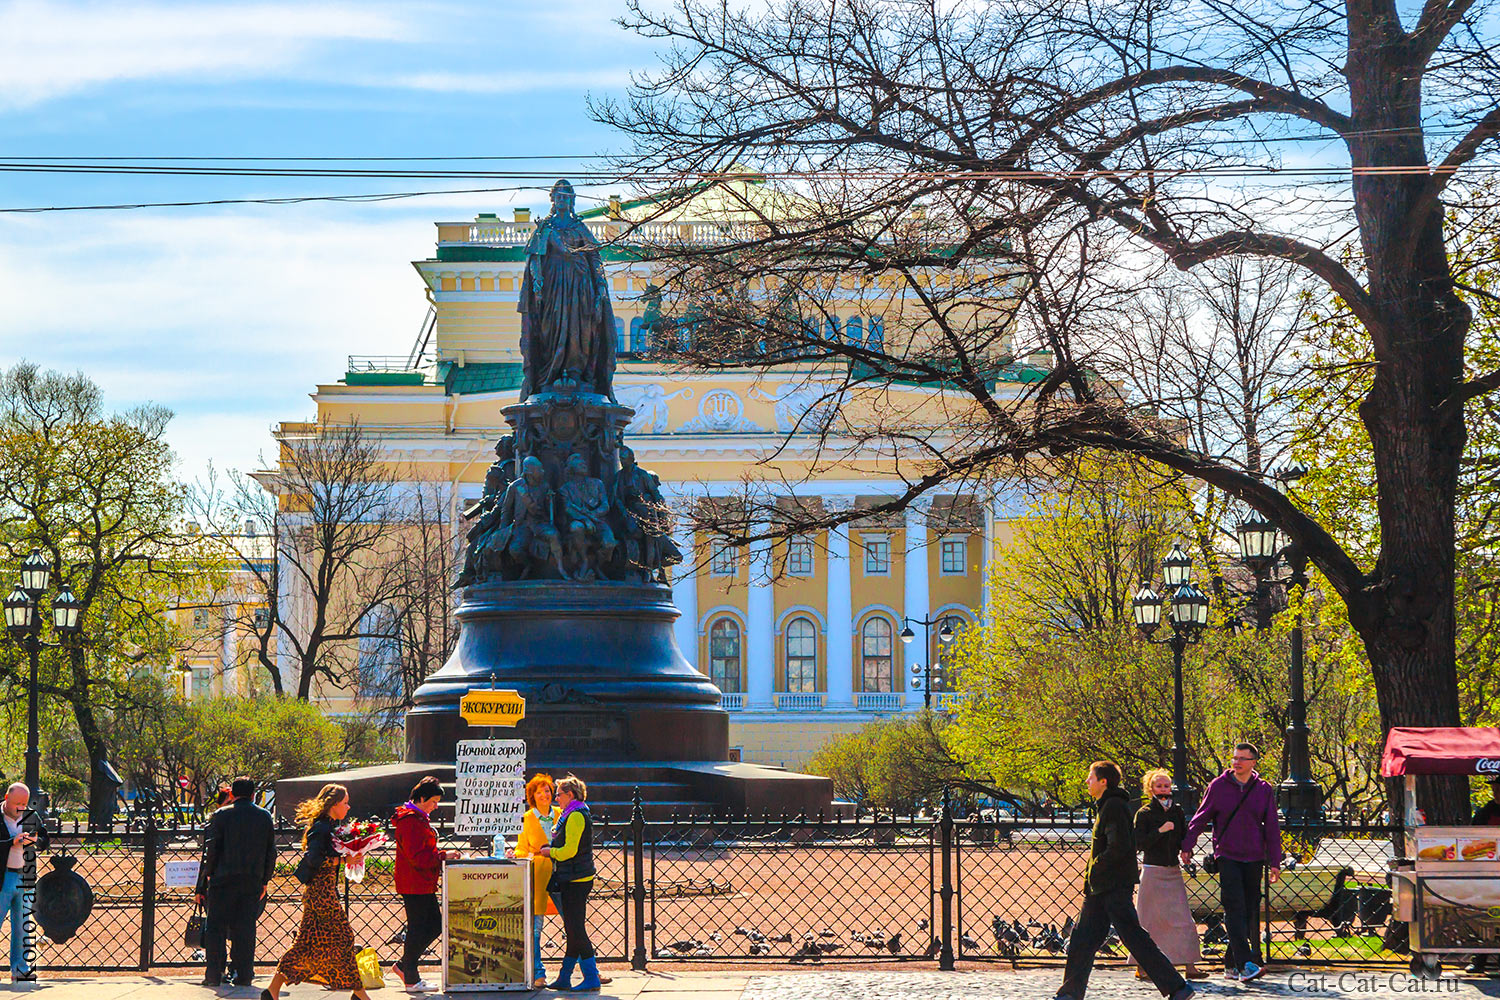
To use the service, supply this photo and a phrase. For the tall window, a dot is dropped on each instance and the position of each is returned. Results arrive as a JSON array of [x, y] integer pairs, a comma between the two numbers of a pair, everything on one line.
[[876, 341], [801, 655], [831, 329], [877, 556], [379, 667], [638, 336], [200, 618], [202, 683], [855, 330], [799, 557], [722, 562], [619, 335], [724, 655], [875, 661], [955, 556]]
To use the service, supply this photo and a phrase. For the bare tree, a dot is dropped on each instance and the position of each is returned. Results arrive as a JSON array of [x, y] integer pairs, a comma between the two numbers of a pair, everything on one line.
[[321, 571], [1150, 127]]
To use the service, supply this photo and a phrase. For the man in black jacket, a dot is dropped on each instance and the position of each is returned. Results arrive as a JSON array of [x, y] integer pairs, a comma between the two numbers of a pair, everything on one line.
[[1109, 884], [239, 858]]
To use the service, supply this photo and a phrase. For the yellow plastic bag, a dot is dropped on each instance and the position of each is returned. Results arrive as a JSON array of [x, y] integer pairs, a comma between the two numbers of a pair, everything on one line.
[[369, 969]]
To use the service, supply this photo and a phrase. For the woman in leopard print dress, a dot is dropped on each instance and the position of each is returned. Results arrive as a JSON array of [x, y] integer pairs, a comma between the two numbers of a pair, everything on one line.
[[323, 951]]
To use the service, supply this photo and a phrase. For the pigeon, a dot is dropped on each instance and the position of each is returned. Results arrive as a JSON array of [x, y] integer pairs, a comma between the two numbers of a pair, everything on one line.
[[684, 947], [922, 924], [398, 938], [968, 943], [809, 949], [933, 949], [1303, 950], [827, 934], [874, 943], [716, 936], [755, 937], [760, 949], [893, 943], [742, 931], [829, 947], [549, 944], [703, 952], [783, 938]]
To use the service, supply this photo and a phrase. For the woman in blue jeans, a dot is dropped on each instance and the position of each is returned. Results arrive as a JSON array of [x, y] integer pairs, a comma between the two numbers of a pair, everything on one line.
[[15, 842]]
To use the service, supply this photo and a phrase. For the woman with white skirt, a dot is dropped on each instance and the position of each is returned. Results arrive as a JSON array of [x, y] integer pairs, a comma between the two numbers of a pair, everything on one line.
[[1162, 900]]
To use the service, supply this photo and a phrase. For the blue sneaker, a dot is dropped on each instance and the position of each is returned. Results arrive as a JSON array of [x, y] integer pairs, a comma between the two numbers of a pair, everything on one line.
[[1251, 971]]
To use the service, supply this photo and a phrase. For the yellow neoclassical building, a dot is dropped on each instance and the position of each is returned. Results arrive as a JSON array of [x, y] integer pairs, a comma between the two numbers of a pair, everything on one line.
[[804, 636]]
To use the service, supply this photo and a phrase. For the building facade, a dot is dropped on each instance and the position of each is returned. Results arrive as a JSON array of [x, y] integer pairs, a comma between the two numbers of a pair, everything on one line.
[[803, 636]]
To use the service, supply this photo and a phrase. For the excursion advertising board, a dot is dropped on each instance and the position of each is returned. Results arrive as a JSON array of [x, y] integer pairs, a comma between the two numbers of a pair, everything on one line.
[[486, 925]]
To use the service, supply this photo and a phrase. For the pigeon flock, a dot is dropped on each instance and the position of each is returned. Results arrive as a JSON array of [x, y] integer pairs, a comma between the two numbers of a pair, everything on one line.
[[1013, 938]]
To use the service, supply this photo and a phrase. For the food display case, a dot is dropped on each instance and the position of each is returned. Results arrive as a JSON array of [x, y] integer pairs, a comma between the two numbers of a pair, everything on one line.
[[1447, 883]]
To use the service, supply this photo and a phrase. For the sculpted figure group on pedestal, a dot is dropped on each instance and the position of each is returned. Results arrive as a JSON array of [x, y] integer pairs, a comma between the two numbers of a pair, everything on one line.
[[554, 520]]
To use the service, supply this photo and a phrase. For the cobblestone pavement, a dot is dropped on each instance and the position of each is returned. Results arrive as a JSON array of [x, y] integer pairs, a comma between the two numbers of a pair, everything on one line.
[[831, 985], [1104, 985]]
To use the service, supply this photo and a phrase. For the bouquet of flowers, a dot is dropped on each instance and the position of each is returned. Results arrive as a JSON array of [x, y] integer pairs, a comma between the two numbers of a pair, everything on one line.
[[352, 841]]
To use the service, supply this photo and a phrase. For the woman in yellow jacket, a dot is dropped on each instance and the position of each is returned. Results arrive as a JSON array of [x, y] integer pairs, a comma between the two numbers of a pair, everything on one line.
[[536, 832]]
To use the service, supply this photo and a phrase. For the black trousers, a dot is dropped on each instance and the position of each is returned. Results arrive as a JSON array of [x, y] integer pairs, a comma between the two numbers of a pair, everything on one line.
[[573, 903], [1116, 907], [232, 908], [1239, 891], [424, 925]]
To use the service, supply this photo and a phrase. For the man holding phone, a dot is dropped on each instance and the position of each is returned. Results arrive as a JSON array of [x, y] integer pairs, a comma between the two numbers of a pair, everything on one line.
[[16, 843]]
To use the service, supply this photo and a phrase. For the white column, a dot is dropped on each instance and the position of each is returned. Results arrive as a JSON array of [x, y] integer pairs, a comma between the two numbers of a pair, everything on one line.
[[986, 564], [760, 632], [840, 611], [917, 604], [229, 682], [685, 591]]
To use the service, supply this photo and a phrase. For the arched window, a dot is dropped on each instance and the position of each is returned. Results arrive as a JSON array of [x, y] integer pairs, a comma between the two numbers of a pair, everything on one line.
[[942, 652], [876, 668], [724, 655], [877, 334], [637, 336], [831, 329], [619, 335], [801, 655], [855, 330]]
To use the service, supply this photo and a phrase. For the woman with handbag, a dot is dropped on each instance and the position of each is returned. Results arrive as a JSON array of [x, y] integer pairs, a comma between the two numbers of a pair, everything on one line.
[[572, 854], [1161, 898], [323, 951]]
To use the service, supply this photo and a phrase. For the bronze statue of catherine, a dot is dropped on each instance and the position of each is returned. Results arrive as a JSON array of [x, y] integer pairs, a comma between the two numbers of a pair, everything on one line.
[[567, 323]]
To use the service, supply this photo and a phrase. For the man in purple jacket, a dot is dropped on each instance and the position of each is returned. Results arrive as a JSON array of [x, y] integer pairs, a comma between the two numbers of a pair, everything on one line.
[[1241, 808]]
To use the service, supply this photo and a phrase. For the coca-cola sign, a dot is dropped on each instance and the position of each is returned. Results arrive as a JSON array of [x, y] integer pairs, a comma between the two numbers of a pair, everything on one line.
[[1487, 765]]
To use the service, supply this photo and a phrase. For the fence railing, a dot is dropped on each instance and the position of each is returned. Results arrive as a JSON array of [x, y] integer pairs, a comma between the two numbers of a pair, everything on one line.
[[783, 889]]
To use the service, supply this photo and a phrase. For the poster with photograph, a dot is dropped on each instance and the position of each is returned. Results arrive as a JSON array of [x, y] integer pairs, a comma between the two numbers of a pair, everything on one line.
[[486, 924]]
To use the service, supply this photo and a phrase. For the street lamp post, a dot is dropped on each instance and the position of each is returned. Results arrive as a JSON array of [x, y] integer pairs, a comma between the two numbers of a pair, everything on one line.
[[1300, 797], [24, 623], [1187, 607], [924, 673]]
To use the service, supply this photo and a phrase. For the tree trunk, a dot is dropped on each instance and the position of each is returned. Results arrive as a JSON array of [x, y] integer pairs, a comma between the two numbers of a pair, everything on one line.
[[1405, 613], [101, 788]]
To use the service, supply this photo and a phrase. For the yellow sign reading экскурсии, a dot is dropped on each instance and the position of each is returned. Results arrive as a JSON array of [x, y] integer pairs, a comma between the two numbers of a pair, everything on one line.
[[492, 708]]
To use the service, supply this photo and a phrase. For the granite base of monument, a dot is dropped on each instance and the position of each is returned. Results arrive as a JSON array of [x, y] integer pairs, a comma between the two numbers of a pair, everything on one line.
[[609, 697]]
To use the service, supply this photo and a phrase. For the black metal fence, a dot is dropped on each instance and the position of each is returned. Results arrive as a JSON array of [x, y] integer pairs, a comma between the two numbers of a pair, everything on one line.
[[800, 890]]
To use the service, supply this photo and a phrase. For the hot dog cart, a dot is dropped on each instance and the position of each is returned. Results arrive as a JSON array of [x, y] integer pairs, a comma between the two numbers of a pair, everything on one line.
[[1447, 884]]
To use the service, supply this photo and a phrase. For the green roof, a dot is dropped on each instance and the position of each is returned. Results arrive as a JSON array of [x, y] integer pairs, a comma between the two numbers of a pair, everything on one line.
[[383, 378], [481, 377]]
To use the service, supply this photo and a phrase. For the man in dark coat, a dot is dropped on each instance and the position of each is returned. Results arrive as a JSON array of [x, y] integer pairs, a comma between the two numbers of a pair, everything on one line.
[[239, 858], [1109, 885]]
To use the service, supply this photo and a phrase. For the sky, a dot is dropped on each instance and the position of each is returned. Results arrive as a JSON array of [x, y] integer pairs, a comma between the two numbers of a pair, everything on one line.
[[231, 315]]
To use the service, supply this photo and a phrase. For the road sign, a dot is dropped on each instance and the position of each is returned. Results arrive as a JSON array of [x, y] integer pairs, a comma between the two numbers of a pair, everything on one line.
[[492, 708]]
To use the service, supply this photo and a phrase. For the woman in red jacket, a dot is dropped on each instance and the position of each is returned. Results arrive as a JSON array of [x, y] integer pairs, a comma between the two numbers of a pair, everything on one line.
[[418, 864]]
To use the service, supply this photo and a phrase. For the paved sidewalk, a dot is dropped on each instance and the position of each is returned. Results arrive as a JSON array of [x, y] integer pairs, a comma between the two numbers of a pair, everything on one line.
[[1026, 985]]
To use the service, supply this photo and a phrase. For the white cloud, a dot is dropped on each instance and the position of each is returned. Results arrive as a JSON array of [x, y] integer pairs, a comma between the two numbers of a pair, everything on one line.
[[513, 82], [50, 49], [231, 320]]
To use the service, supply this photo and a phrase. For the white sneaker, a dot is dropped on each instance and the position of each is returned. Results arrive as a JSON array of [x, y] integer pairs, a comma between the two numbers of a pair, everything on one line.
[[420, 986], [1251, 971]]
